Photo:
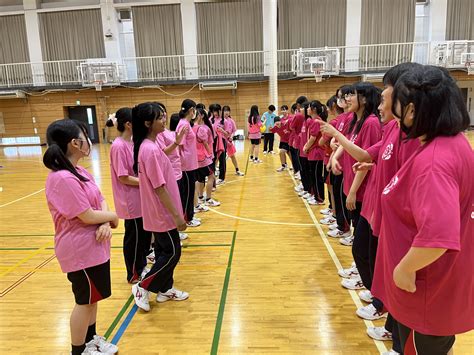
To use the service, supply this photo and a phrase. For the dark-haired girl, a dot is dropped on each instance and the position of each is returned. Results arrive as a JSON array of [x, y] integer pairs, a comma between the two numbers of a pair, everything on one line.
[[231, 128], [293, 147], [254, 125], [82, 223], [206, 166], [315, 153], [161, 207], [189, 163], [427, 224], [282, 129], [136, 241]]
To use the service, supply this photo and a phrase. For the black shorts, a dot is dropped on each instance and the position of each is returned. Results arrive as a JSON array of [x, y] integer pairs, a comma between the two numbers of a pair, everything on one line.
[[255, 141], [205, 171], [285, 146], [92, 284]]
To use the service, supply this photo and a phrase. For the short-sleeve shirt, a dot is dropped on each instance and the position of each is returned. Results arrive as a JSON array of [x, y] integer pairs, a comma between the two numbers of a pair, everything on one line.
[[187, 147], [154, 171], [74, 241], [126, 197], [429, 204]]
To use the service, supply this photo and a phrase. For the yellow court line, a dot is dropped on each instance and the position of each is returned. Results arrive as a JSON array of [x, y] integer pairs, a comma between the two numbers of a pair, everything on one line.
[[355, 298], [24, 260], [22, 198]]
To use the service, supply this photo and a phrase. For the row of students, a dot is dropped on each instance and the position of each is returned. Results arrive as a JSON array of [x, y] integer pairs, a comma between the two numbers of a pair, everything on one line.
[[422, 253]]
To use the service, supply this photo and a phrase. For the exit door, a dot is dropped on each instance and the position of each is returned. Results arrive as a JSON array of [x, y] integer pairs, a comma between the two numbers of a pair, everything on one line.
[[86, 115]]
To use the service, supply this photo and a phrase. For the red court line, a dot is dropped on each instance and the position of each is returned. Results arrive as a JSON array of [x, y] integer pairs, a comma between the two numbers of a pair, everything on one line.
[[25, 277]]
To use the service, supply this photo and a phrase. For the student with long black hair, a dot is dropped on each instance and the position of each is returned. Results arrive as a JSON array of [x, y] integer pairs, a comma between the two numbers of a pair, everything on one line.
[[282, 129], [315, 152], [205, 154], [254, 125], [425, 252], [161, 207], [293, 148], [125, 188], [230, 129], [82, 223], [189, 163], [295, 126]]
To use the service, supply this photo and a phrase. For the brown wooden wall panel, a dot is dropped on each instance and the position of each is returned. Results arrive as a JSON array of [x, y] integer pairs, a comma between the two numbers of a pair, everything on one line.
[[18, 113]]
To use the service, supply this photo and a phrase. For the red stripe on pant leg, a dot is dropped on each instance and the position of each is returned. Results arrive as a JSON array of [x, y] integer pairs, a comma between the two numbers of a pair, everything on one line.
[[410, 344]]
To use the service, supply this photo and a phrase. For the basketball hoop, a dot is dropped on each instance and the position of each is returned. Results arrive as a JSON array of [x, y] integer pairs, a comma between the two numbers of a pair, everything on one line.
[[318, 76], [98, 85], [470, 69]]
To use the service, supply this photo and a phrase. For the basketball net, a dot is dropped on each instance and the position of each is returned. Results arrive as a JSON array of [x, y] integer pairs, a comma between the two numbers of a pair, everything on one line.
[[98, 85], [470, 69], [318, 76]]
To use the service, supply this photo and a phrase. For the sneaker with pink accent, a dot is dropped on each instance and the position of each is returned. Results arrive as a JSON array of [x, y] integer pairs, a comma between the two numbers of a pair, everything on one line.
[[347, 241], [101, 345], [326, 212], [366, 296], [140, 295], [172, 295], [328, 220], [332, 226], [369, 312], [379, 333], [151, 257], [336, 233], [352, 284], [349, 273]]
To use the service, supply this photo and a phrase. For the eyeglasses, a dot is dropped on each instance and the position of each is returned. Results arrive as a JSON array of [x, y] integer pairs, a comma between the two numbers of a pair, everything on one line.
[[348, 96]]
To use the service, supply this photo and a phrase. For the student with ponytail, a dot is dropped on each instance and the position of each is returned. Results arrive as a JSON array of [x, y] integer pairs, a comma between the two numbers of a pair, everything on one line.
[[230, 128], [189, 163], [161, 207], [136, 241], [82, 223], [206, 166], [254, 125]]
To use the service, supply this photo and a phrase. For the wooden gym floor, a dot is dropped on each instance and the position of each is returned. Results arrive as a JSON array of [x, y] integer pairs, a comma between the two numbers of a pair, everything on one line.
[[261, 274]]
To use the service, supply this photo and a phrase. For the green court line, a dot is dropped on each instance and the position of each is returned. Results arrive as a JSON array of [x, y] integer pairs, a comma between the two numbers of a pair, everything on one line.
[[119, 316], [220, 315]]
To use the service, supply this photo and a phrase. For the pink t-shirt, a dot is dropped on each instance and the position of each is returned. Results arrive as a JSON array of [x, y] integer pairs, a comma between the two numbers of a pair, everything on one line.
[[283, 131], [155, 170], [395, 151], [316, 152], [187, 148], [369, 134], [165, 139], [254, 129], [203, 134], [429, 204], [74, 241], [126, 197], [291, 137], [296, 126], [303, 138]]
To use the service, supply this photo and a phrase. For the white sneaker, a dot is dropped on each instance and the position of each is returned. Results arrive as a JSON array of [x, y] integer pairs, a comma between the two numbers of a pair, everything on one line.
[[307, 195], [302, 193], [369, 312], [328, 220], [183, 236], [336, 233], [193, 223], [326, 212], [140, 296], [391, 352], [197, 219], [347, 241], [220, 182], [213, 203], [201, 208], [151, 257], [352, 284], [258, 161], [281, 168], [312, 202], [349, 273], [264, 152], [91, 350], [299, 188], [366, 296], [239, 173], [144, 272], [172, 295], [332, 226], [102, 345], [379, 333], [298, 176]]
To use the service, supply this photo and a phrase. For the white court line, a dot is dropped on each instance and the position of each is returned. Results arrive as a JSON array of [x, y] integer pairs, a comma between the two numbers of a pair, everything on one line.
[[259, 221], [379, 344], [22, 198]]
